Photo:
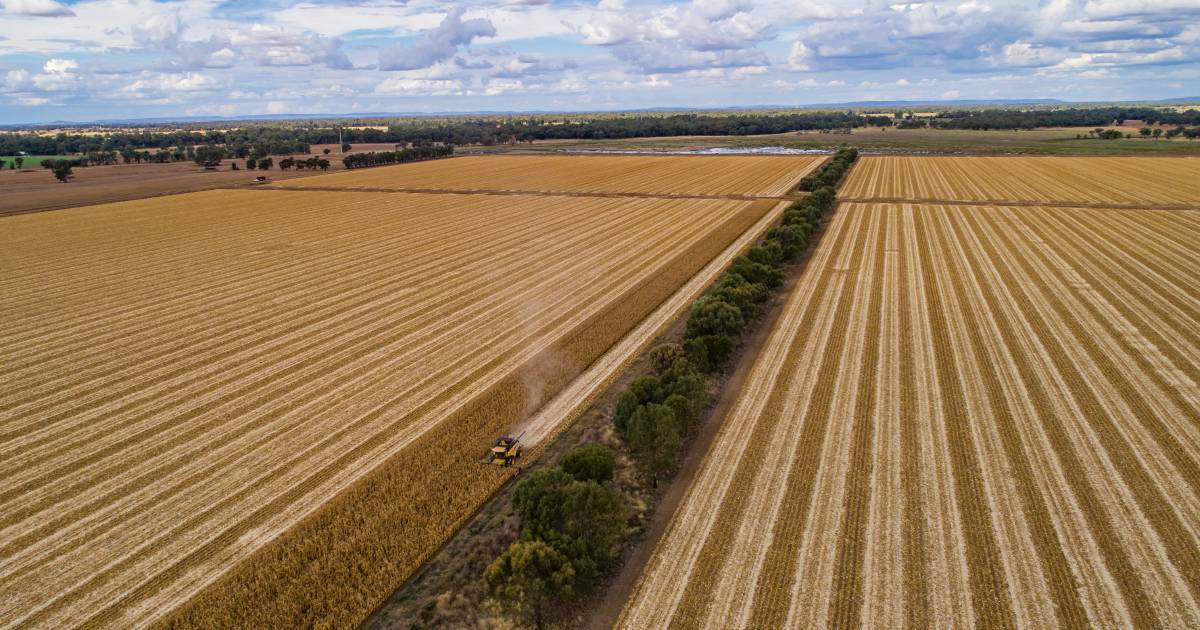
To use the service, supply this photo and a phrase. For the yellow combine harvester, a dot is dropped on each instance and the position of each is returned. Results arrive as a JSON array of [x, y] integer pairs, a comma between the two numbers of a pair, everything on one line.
[[506, 451]]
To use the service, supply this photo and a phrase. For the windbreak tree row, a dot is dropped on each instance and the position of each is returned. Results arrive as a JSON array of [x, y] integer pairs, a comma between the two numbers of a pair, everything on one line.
[[658, 412], [381, 158]]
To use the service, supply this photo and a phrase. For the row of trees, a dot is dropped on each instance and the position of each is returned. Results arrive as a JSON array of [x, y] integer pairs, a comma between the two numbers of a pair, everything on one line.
[[658, 412], [268, 139], [571, 519], [1073, 117], [290, 138], [16, 163], [832, 173], [380, 158]]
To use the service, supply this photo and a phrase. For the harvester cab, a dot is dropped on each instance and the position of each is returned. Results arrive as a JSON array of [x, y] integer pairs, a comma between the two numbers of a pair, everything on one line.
[[506, 451]]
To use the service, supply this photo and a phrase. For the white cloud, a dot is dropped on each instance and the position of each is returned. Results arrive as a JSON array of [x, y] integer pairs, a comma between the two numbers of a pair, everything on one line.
[[678, 38], [60, 66], [950, 94], [496, 87], [159, 31], [171, 83], [436, 44], [58, 75], [403, 86], [276, 46], [36, 8]]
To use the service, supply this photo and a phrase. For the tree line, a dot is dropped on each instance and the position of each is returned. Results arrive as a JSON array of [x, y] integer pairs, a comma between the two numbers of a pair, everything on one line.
[[381, 158], [1070, 117], [571, 516]]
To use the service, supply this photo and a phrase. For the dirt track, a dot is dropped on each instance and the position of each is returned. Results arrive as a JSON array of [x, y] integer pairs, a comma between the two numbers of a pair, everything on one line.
[[967, 416]]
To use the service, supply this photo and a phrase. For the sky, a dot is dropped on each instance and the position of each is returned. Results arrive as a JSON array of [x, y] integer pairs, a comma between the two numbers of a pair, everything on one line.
[[119, 59]]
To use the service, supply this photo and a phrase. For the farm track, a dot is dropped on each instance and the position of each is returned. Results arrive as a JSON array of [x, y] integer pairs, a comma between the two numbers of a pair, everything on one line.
[[974, 414], [695, 176], [202, 388]]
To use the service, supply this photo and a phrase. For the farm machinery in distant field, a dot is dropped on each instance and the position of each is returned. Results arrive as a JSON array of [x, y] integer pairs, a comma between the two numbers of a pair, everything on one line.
[[506, 451]]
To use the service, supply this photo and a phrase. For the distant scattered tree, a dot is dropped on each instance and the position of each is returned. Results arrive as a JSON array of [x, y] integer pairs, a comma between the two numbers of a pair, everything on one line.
[[346, 146], [327, 151], [286, 163], [265, 164], [1158, 132], [251, 163], [208, 154], [19, 161], [1145, 131], [532, 578], [2, 163], [62, 170]]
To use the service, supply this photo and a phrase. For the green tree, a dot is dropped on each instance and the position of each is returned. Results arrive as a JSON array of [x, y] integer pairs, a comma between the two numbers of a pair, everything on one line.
[[19, 161], [590, 462], [1158, 132], [265, 164], [655, 440], [62, 170], [538, 501], [593, 519], [714, 317], [1145, 131], [251, 164], [664, 355], [532, 578]]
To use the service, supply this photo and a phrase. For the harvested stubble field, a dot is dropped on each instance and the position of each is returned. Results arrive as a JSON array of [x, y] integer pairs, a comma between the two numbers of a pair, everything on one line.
[[1132, 181], [754, 175], [967, 416], [204, 396]]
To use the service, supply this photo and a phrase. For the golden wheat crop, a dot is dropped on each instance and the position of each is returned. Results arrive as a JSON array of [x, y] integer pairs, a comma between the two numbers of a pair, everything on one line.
[[967, 416], [767, 176], [1133, 181], [268, 404]]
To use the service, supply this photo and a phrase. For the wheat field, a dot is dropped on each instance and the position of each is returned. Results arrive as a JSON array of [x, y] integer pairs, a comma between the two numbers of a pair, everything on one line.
[[1131, 181], [966, 416], [749, 175], [224, 397]]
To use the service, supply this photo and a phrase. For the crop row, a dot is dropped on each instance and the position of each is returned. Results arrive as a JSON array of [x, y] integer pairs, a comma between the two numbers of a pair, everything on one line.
[[767, 176], [164, 427], [966, 416], [1082, 180]]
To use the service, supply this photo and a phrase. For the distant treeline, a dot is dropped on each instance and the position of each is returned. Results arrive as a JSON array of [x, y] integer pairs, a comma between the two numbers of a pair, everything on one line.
[[264, 140], [276, 138], [1090, 117], [380, 158]]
